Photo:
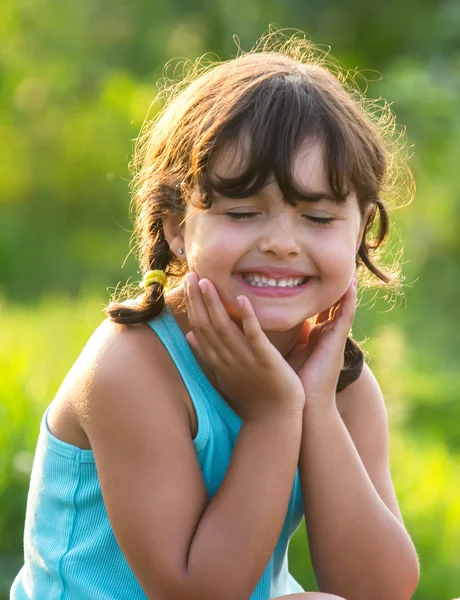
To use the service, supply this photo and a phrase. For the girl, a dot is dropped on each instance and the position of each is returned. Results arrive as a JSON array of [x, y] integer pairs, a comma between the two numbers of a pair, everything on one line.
[[205, 418]]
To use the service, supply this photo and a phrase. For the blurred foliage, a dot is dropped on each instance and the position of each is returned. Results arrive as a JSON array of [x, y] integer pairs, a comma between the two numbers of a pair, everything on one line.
[[76, 81]]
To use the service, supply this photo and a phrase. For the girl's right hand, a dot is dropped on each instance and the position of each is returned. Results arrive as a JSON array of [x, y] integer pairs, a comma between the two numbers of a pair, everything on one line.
[[255, 378]]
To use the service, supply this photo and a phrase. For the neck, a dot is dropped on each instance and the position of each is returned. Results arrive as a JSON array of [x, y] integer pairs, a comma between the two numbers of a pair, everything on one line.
[[284, 341]]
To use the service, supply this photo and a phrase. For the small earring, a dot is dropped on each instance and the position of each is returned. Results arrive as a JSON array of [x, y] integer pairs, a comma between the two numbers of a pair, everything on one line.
[[180, 251]]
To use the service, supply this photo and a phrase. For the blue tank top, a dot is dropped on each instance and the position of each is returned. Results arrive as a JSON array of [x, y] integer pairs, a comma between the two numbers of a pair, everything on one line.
[[70, 551]]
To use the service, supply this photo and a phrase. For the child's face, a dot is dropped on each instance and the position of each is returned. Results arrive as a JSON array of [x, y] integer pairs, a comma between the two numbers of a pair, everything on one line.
[[276, 236]]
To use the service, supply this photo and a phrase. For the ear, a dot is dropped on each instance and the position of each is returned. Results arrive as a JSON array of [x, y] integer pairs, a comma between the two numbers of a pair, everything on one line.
[[367, 213], [173, 231]]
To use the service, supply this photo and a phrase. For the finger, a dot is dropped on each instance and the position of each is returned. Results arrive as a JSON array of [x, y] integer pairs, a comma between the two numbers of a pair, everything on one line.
[[251, 327], [323, 316], [314, 338], [210, 356], [343, 314], [298, 360], [198, 316], [302, 340], [348, 307], [231, 339], [304, 333], [335, 311]]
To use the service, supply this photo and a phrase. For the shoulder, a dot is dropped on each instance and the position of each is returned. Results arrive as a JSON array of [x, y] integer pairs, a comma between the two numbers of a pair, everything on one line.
[[363, 394], [114, 353], [122, 353], [122, 368], [362, 407], [128, 358]]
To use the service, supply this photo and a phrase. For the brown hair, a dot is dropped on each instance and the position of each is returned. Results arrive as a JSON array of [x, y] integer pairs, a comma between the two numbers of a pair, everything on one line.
[[281, 94]]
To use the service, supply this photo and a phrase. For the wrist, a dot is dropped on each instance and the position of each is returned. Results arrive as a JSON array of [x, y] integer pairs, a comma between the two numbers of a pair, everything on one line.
[[275, 425], [291, 408], [282, 415], [320, 407]]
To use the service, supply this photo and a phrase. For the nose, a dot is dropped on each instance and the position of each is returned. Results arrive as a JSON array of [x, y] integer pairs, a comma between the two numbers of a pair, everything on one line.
[[280, 237]]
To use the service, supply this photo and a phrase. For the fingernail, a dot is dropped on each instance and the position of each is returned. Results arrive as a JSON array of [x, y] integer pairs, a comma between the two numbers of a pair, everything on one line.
[[189, 281], [203, 286]]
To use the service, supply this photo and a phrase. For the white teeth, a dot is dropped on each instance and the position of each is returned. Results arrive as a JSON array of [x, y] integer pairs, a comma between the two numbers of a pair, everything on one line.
[[262, 281]]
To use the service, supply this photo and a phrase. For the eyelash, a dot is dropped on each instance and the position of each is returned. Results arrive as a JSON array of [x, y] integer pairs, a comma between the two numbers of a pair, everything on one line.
[[321, 221]]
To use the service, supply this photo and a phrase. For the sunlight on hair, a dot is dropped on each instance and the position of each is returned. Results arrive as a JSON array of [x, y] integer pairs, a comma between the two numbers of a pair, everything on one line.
[[184, 123]]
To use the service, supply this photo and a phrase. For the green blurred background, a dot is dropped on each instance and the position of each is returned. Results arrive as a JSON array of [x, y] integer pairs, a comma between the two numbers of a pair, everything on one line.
[[76, 81]]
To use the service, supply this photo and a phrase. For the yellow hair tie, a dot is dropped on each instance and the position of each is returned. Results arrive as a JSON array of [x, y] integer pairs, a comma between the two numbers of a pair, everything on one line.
[[156, 276]]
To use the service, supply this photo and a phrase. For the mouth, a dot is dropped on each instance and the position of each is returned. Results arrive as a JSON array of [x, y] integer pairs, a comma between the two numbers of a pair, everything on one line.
[[275, 285], [264, 281]]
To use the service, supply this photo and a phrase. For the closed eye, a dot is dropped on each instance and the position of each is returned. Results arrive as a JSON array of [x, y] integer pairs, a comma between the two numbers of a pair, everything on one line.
[[321, 221], [240, 216]]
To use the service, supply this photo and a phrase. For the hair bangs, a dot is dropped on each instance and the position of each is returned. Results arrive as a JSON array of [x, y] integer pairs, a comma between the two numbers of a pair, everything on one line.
[[254, 113], [260, 141], [340, 161]]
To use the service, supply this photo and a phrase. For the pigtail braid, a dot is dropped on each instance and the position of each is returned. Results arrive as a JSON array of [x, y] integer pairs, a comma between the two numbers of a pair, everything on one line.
[[363, 252], [150, 304], [353, 364], [155, 253]]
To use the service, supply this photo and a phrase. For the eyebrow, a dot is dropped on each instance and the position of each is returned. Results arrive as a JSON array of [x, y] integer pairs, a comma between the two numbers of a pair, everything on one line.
[[317, 196], [305, 196]]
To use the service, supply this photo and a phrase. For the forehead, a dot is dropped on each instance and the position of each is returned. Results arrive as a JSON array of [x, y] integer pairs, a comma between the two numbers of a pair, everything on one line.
[[308, 166]]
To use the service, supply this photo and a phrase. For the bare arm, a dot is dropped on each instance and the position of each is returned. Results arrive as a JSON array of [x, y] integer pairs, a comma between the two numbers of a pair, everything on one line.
[[240, 526], [180, 544], [359, 546]]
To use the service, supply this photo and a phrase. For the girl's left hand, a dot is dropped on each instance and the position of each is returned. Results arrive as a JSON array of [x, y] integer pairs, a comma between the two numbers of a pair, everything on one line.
[[319, 358]]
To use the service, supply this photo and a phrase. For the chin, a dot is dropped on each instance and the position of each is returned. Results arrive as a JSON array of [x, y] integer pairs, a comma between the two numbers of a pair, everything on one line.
[[278, 320]]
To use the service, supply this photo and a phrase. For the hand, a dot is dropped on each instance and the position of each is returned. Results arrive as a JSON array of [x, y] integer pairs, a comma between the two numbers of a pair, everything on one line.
[[257, 381], [318, 357]]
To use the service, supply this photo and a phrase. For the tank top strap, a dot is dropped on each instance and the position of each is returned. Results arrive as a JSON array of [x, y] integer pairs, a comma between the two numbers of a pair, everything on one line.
[[203, 394]]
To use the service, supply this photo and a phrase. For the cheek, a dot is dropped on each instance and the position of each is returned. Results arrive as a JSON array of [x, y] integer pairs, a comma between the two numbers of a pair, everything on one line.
[[337, 259], [212, 251], [337, 249]]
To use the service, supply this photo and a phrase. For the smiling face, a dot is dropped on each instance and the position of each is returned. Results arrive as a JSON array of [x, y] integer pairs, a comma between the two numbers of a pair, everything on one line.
[[292, 262]]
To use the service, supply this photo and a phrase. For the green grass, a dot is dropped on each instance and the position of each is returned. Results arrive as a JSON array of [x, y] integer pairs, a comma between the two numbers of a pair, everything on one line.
[[38, 345], [37, 348]]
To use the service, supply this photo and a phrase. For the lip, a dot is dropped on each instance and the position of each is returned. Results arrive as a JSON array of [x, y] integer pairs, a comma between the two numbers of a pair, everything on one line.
[[275, 292], [275, 271]]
